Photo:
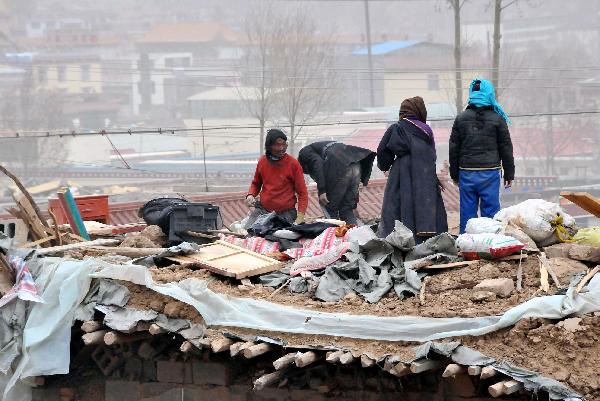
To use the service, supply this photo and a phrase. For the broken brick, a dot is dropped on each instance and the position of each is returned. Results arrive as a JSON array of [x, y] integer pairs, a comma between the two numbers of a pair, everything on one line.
[[502, 287]]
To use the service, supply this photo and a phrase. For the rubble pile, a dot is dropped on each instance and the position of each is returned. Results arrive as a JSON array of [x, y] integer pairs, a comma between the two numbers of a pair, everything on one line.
[[507, 325]]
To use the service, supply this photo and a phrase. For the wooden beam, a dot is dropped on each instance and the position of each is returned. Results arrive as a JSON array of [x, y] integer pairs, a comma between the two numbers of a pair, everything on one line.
[[423, 365], [221, 344], [239, 347], [453, 369], [79, 245], [333, 356], [96, 337], [474, 370], [256, 350], [268, 379], [366, 361], [113, 337], [306, 358], [584, 200], [186, 347], [487, 372], [511, 386], [284, 361], [91, 326], [496, 390], [347, 358], [129, 251]]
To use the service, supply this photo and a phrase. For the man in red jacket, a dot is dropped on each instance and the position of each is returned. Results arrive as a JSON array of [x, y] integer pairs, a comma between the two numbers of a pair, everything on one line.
[[279, 180]]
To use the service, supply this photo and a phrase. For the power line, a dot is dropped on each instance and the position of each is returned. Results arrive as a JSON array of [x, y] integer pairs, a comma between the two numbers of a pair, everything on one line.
[[216, 129]]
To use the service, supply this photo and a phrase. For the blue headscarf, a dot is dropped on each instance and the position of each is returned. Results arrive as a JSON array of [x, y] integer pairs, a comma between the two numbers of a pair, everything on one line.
[[485, 96]]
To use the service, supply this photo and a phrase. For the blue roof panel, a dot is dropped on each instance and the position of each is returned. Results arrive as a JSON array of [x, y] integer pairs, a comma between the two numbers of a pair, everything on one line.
[[386, 47]]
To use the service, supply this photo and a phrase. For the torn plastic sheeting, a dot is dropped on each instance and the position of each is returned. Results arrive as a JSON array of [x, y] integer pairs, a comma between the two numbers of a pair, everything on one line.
[[171, 325], [125, 319], [185, 248], [532, 381], [223, 310], [46, 336], [440, 244]]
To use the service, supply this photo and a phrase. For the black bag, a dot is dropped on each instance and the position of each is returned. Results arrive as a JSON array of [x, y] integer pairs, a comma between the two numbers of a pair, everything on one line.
[[267, 223], [158, 212]]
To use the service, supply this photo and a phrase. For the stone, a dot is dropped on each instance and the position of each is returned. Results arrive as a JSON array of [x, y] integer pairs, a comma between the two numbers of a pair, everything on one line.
[[481, 296], [565, 268], [562, 374], [172, 309], [571, 324], [489, 270], [157, 305], [558, 250], [502, 287], [586, 253]]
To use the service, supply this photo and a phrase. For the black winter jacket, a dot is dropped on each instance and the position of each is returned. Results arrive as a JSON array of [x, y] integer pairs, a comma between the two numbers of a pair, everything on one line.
[[480, 140]]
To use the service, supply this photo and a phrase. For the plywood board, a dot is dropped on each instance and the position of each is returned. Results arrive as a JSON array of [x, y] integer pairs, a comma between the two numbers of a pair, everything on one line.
[[584, 200], [229, 260]]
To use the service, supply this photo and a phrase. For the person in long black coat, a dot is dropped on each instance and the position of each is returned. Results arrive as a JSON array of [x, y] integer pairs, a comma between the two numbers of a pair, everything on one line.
[[338, 169], [413, 191]]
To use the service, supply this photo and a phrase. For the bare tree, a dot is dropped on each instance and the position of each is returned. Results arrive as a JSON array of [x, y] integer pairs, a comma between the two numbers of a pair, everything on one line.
[[263, 33], [456, 7], [305, 62]]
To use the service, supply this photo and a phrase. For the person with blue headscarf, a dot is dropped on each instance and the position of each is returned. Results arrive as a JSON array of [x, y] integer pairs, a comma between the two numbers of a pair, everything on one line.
[[480, 151]]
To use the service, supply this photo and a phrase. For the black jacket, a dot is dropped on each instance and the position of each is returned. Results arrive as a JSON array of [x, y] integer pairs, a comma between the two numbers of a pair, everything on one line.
[[327, 161], [480, 140]]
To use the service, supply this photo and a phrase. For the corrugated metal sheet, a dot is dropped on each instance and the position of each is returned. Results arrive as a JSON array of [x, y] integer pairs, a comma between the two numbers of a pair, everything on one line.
[[234, 208]]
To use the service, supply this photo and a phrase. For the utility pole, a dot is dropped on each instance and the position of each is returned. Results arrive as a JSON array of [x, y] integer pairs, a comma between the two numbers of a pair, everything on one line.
[[369, 52], [204, 155]]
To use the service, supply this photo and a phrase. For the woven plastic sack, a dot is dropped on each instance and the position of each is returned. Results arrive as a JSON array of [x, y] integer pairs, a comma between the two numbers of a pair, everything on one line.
[[588, 236], [487, 246], [541, 220], [484, 225]]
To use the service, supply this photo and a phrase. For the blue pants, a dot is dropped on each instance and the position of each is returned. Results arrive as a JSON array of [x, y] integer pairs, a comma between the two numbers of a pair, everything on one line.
[[481, 187]]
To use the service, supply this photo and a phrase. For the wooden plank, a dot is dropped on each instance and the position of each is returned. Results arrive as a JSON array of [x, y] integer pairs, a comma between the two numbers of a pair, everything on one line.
[[423, 365], [450, 265], [584, 200], [229, 260], [28, 213], [585, 280], [128, 251], [79, 245]]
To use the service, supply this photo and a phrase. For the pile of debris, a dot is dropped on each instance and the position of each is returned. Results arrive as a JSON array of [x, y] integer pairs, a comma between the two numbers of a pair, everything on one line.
[[342, 297]]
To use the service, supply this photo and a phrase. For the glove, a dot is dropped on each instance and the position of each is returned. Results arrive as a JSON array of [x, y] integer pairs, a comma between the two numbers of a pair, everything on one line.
[[299, 218], [323, 199], [250, 200]]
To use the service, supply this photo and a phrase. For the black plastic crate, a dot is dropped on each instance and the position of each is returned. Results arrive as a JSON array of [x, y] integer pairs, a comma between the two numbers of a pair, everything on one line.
[[197, 217]]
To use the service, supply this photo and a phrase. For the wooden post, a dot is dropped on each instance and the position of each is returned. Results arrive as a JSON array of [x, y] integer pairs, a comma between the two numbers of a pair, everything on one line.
[[306, 358], [239, 347], [366, 361], [256, 350], [487, 372], [284, 361], [268, 379], [474, 370], [334, 356], [221, 344], [113, 337], [96, 337], [347, 358], [423, 365], [496, 390], [511, 386], [453, 369], [90, 326]]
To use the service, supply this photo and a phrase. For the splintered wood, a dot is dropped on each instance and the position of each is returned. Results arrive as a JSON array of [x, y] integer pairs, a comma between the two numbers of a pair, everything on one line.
[[229, 260]]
